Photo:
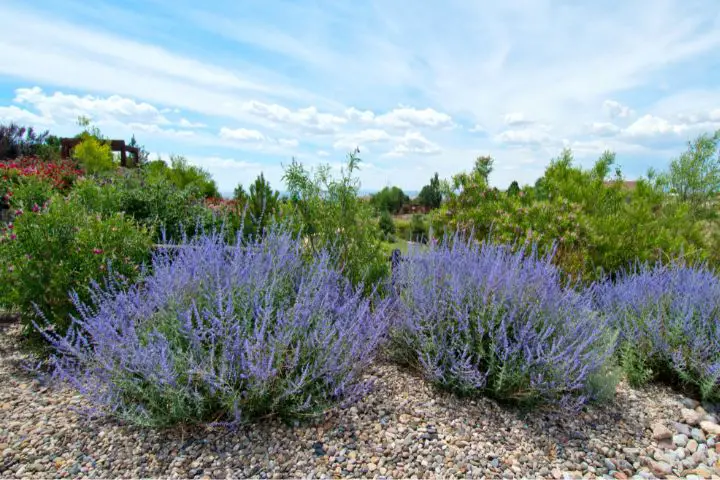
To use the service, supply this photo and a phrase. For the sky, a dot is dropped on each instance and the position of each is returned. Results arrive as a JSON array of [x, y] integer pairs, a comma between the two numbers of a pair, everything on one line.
[[242, 87]]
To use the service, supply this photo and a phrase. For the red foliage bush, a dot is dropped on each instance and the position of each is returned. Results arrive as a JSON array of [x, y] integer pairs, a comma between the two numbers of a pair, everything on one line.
[[60, 174]]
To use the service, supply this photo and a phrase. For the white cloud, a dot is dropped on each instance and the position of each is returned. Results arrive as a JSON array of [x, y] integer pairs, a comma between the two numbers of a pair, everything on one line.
[[323, 153], [524, 137], [67, 107], [650, 125], [288, 142], [156, 130], [361, 139], [616, 109], [184, 122], [414, 143], [242, 134], [23, 116], [516, 120], [604, 128], [355, 115], [308, 118], [401, 117], [711, 116], [406, 117]]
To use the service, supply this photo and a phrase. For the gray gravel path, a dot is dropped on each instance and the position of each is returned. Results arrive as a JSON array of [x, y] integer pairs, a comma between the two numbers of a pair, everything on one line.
[[404, 429]]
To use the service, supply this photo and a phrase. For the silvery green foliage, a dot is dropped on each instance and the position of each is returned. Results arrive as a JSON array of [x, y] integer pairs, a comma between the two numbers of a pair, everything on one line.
[[480, 318], [223, 334]]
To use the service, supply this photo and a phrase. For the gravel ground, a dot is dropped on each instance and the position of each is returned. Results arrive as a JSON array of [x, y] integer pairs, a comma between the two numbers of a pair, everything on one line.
[[404, 429]]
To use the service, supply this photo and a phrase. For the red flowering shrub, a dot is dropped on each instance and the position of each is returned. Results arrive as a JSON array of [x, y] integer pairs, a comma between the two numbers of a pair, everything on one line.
[[59, 175]]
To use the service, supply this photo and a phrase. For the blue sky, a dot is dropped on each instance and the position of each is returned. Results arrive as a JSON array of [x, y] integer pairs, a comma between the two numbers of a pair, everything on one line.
[[241, 87]]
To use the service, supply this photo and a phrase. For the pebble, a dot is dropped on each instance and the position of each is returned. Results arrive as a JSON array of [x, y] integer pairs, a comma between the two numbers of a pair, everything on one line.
[[403, 429], [691, 417], [660, 431], [682, 428], [710, 427], [680, 440], [698, 434]]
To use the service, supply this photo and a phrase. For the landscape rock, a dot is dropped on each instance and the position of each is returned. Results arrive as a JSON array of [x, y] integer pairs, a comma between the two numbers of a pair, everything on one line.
[[710, 427], [691, 417], [680, 440], [682, 428], [660, 431], [698, 434], [404, 428]]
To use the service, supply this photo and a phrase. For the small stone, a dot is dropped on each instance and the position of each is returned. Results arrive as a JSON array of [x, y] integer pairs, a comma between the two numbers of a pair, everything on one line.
[[692, 446], [620, 476], [631, 452], [682, 428], [609, 464], [689, 403], [660, 468], [711, 428], [680, 440], [371, 467], [691, 417], [703, 471], [698, 434], [699, 456], [666, 444], [661, 432], [680, 453], [556, 473]]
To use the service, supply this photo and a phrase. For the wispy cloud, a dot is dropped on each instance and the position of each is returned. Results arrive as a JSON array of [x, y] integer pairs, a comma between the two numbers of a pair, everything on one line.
[[418, 93]]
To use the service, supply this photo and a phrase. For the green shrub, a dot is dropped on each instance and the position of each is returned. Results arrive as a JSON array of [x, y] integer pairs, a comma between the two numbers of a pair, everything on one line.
[[155, 203], [183, 175], [402, 228], [31, 192], [386, 224], [94, 155], [332, 216], [390, 200], [47, 254], [594, 222], [419, 230]]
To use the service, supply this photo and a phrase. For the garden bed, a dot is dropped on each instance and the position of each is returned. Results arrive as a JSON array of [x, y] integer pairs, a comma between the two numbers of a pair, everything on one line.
[[404, 428]]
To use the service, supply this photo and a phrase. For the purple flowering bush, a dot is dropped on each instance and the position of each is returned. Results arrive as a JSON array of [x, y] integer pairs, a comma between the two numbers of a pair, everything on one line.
[[485, 318], [668, 317], [223, 334]]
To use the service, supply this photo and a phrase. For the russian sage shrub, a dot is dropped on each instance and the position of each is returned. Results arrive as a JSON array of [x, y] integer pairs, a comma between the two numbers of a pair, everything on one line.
[[224, 334], [668, 317], [486, 318]]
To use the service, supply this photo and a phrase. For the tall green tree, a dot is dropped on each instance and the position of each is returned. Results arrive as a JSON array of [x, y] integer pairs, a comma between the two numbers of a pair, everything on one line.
[[431, 195], [390, 199], [483, 167], [695, 175], [262, 203]]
